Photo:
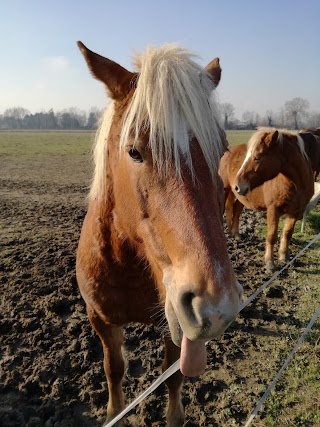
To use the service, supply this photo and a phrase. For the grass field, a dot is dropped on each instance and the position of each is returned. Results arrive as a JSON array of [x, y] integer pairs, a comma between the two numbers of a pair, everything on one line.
[[61, 161], [236, 137], [29, 144]]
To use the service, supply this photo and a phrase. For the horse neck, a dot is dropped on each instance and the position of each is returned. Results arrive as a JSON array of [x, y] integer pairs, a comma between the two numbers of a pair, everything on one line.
[[296, 166]]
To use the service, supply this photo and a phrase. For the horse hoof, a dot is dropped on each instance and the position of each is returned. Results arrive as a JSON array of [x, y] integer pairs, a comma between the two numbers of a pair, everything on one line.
[[284, 259], [120, 423], [236, 236], [177, 422], [270, 267]]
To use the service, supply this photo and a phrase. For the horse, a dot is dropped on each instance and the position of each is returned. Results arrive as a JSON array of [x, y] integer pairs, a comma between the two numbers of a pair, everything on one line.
[[314, 131], [311, 139], [152, 245], [272, 173]]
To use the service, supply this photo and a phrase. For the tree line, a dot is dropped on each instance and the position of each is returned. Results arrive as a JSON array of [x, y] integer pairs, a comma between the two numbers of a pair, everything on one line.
[[68, 119], [294, 115]]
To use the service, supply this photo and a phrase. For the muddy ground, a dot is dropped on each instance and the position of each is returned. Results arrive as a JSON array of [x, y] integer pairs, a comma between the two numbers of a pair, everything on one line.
[[51, 360]]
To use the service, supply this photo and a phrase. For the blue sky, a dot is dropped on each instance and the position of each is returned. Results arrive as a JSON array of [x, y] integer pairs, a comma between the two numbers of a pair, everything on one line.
[[269, 50]]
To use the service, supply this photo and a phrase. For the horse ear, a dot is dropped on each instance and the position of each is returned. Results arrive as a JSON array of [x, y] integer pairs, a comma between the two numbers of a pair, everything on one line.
[[117, 79], [271, 138], [214, 71]]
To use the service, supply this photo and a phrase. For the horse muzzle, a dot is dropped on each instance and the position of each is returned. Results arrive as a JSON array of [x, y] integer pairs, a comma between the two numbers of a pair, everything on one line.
[[199, 317], [192, 324], [242, 189]]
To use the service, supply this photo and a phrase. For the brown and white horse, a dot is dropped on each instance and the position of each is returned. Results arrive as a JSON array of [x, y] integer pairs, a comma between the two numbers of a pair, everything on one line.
[[153, 238], [271, 173]]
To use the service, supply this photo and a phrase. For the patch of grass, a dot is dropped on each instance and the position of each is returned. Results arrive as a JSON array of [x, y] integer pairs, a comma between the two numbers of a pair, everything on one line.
[[41, 144], [312, 228], [313, 222], [46, 156], [236, 137], [296, 389]]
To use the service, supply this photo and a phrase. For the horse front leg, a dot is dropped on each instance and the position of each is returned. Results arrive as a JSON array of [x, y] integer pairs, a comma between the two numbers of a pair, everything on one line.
[[175, 410], [111, 338], [288, 228], [237, 211], [233, 209], [228, 207], [272, 235]]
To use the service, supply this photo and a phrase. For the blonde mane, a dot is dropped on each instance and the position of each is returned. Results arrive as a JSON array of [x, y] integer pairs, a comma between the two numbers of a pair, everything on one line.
[[98, 184], [173, 101], [256, 138]]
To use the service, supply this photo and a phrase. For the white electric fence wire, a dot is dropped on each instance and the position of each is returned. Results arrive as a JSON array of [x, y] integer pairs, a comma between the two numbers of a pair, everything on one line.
[[170, 371], [175, 366], [276, 274], [271, 386]]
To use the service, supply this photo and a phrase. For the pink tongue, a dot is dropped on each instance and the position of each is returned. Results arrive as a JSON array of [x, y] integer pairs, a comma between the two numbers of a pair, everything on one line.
[[193, 357]]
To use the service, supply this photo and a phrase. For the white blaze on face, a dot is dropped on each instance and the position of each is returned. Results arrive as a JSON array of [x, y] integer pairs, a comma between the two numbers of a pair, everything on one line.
[[248, 155], [183, 137]]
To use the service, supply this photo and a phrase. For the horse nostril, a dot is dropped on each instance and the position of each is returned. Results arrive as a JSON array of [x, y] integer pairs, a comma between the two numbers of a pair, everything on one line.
[[186, 300], [241, 190], [206, 324]]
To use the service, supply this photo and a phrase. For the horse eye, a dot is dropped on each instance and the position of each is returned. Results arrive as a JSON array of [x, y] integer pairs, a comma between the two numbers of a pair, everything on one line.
[[257, 158], [135, 155]]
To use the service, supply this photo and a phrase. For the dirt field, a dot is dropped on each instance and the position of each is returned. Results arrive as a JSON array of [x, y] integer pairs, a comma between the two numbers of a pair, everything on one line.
[[51, 372]]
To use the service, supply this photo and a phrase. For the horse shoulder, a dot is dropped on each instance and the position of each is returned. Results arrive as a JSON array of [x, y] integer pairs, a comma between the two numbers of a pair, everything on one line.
[[285, 195], [223, 168], [254, 199], [93, 254]]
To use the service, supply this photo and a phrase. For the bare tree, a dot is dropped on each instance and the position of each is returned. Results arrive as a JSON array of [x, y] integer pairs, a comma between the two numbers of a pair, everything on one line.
[[94, 118], [17, 113], [295, 109], [13, 118], [279, 119], [313, 120], [250, 119], [270, 115], [228, 113]]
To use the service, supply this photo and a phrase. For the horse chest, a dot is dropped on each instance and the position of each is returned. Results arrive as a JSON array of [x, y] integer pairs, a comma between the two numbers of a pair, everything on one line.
[[125, 298]]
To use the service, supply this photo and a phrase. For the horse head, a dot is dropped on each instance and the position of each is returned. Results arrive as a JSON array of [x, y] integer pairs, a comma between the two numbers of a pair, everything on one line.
[[262, 161]]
